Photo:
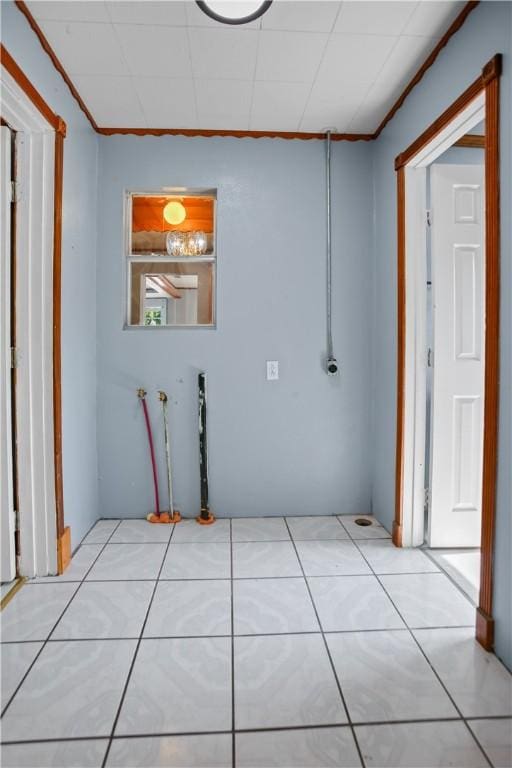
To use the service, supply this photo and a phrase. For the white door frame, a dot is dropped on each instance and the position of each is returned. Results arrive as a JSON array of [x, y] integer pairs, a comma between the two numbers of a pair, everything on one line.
[[415, 378], [8, 564], [35, 173]]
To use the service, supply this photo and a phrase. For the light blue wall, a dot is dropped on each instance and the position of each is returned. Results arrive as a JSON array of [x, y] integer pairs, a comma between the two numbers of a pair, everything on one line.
[[486, 32], [299, 445], [462, 156], [78, 274]]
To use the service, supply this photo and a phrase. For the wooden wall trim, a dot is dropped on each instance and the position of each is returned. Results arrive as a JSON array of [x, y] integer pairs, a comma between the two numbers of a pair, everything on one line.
[[193, 132], [492, 70], [438, 125], [106, 131], [57, 304], [471, 141], [64, 550], [455, 26], [400, 375], [55, 61], [485, 626], [489, 82], [26, 86]]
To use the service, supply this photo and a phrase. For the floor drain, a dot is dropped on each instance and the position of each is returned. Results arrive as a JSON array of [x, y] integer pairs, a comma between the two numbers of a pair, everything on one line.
[[363, 521]]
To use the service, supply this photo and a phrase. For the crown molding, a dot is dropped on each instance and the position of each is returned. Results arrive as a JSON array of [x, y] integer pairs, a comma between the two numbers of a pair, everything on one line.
[[22, 6], [192, 132], [106, 131], [454, 27]]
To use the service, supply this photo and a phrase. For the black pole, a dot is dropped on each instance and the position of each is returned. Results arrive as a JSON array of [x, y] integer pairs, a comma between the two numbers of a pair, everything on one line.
[[203, 447]]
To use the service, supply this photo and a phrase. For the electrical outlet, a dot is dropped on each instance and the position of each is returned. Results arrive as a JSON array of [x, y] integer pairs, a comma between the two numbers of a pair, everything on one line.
[[272, 370]]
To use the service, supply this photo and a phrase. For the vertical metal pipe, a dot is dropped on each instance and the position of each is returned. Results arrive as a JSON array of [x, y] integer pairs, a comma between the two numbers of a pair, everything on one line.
[[329, 268]]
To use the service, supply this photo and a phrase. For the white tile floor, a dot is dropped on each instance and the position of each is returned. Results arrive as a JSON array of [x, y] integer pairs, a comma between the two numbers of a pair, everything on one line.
[[258, 642], [463, 565]]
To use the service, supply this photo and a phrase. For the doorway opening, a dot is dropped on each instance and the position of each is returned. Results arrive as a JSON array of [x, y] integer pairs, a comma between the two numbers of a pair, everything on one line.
[[30, 435], [452, 454], [455, 322]]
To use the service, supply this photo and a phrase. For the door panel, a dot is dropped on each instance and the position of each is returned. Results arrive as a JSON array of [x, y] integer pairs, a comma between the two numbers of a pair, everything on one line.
[[8, 557], [467, 285], [458, 317], [467, 415]]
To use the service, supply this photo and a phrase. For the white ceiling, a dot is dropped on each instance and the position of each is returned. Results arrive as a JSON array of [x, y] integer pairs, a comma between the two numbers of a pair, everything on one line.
[[306, 65]]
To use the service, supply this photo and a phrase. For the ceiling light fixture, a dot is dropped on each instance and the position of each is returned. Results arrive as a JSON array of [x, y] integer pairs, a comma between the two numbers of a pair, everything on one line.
[[231, 12], [193, 243], [174, 212]]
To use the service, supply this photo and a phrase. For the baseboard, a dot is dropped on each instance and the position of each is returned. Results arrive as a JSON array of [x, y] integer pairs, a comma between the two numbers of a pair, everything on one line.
[[64, 550], [397, 534], [484, 629]]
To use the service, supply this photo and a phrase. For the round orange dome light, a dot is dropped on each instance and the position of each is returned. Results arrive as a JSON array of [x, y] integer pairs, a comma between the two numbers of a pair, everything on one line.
[[174, 212]]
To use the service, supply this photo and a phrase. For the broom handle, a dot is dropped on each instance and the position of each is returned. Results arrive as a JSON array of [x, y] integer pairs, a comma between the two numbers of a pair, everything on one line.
[[163, 398], [151, 449]]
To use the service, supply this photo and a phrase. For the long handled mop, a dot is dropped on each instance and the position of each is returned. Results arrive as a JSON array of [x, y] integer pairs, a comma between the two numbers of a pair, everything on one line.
[[205, 516], [141, 393], [174, 516]]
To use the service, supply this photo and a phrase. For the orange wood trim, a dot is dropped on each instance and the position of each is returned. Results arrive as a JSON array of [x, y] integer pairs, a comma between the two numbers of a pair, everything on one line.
[[26, 86], [57, 301], [471, 141], [64, 550], [491, 384], [489, 80], [455, 26], [192, 132], [55, 61], [400, 360], [490, 72], [20, 581], [484, 629], [438, 125]]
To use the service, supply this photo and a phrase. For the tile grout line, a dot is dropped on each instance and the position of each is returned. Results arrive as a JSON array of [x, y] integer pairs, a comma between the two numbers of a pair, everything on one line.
[[241, 578], [327, 649], [85, 543], [428, 661], [132, 665], [240, 541], [143, 542], [212, 637], [87, 534], [276, 729], [233, 737], [53, 628]]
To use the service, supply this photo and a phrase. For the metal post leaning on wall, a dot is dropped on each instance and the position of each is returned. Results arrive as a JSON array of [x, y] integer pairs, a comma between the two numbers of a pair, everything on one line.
[[205, 516]]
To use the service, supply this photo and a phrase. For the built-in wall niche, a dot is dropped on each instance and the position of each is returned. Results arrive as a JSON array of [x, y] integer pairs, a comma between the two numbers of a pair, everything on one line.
[[171, 259]]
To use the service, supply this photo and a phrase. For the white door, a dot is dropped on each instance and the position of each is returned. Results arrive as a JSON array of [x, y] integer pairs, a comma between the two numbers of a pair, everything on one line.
[[8, 559], [457, 241]]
